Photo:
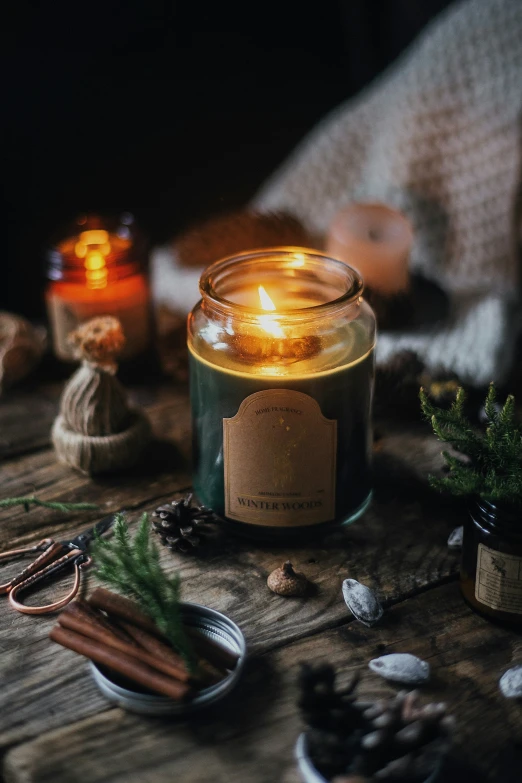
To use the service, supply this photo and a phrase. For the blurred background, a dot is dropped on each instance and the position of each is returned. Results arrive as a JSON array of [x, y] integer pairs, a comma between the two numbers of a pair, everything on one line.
[[175, 111]]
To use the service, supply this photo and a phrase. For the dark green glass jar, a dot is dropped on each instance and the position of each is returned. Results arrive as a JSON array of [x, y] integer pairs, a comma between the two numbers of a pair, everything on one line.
[[281, 375], [491, 566]]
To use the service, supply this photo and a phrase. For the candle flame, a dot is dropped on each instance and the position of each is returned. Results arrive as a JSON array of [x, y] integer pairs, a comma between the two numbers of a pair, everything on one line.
[[266, 302], [268, 322], [93, 246]]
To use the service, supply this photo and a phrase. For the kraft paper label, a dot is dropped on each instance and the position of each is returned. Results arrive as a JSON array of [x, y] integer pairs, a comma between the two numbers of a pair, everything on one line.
[[498, 581], [280, 458]]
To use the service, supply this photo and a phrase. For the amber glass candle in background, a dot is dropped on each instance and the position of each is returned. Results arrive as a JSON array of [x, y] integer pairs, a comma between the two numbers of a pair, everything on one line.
[[281, 374], [99, 267]]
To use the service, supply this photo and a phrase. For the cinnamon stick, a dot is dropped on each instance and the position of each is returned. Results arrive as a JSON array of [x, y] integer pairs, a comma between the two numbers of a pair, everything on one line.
[[126, 610], [122, 607], [152, 644], [207, 673], [120, 662], [82, 618]]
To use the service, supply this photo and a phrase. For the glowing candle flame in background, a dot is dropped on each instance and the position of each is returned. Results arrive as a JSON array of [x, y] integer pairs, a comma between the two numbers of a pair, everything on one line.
[[94, 246], [268, 322]]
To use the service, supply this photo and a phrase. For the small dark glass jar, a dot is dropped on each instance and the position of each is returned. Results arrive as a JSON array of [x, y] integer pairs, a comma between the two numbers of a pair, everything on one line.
[[491, 566]]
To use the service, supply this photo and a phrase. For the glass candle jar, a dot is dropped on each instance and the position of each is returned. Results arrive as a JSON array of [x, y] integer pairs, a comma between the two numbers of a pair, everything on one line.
[[281, 377], [98, 267], [491, 566]]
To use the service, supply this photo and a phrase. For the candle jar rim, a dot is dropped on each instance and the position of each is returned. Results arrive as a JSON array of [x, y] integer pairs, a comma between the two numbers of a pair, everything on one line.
[[216, 273]]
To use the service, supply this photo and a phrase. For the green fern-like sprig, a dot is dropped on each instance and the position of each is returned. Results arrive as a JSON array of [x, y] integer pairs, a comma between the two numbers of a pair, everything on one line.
[[31, 500], [132, 566], [490, 465]]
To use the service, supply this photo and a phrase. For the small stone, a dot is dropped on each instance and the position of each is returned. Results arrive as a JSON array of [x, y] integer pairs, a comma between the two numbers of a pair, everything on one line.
[[401, 667], [510, 683], [285, 581], [455, 538], [362, 602]]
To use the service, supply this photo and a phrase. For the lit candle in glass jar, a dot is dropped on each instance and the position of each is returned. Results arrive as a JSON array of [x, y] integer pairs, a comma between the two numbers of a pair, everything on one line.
[[281, 360], [98, 268]]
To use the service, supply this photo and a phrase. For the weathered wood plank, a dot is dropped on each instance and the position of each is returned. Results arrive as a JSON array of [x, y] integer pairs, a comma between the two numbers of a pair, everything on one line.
[[399, 547], [251, 736], [26, 419], [231, 577]]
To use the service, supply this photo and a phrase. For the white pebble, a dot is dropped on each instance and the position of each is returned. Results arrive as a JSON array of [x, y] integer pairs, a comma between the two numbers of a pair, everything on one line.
[[455, 538], [510, 683], [362, 602], [401, 667]]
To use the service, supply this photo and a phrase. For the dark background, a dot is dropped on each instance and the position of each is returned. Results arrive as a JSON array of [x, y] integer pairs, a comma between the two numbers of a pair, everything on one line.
[[173, 110]]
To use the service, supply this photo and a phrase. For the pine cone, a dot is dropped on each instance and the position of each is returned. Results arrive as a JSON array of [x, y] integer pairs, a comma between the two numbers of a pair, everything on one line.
[[404, 739], [335, 723], [324, 706], [397, 740], [176, 524]]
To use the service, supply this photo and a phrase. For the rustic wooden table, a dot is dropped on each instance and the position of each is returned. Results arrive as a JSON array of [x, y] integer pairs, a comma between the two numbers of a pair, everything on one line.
[[56, 725]]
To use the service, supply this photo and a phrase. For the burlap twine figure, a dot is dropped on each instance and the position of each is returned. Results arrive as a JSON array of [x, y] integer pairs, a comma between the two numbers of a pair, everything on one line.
[[97, 431]]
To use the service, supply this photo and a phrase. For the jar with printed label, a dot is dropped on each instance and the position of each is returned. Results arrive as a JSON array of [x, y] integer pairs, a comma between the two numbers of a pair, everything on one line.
[[491, 567], [281, 351]]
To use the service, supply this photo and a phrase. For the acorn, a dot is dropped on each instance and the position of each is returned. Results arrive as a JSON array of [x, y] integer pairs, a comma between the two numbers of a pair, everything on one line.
[[285, 581]]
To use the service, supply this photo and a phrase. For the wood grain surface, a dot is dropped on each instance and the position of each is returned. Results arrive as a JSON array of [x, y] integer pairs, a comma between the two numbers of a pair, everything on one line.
[[55, 725]]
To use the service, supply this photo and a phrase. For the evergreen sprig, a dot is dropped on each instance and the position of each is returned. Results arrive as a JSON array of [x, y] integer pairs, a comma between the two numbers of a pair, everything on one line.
[[31, 500], [490, 462], [132, 566]]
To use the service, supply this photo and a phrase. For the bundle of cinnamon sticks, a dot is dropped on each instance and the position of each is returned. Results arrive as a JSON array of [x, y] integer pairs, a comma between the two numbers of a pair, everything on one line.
[[113, 631]]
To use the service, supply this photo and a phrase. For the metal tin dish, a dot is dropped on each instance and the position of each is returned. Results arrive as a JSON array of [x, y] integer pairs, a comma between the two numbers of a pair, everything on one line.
[[309, 774], [209, 623]]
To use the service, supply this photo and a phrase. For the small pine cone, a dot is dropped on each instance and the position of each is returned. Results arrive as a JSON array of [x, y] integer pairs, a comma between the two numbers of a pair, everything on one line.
[[404, 739], [176, 524]]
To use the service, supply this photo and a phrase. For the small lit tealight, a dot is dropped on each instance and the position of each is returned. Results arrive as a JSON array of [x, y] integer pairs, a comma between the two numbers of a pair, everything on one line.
[[376, 240]]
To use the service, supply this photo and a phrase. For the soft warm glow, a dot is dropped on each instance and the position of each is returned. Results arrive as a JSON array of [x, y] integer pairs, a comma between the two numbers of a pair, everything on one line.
[[94, 237], [298, 260], [80, 249], [266, 302], [94, 246], [96, 278], [268, 322], [94, 260]]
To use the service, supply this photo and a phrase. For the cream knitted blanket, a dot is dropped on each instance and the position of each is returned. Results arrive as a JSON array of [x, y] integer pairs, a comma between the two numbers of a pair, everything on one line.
[[437, 136]]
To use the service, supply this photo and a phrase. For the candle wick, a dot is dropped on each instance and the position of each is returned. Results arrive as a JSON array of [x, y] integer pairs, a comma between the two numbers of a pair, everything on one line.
[[374, 234]]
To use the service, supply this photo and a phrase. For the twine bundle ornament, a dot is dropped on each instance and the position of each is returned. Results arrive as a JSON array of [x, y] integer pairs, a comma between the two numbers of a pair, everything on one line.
[[97, 431]]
